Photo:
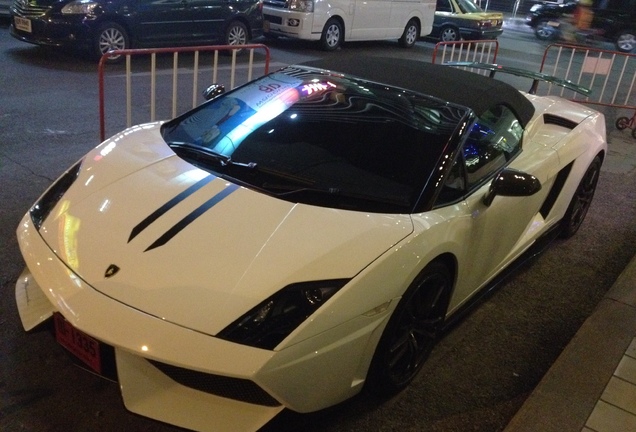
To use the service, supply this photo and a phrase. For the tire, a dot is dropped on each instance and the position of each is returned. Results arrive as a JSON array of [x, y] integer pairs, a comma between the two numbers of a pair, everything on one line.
[[412, 331], [622, 123], [332, 35], [110, 37], [634, 133], [626, 41], [236, 34], [581, 200], [449, 34], [411, 34], [544, 31]]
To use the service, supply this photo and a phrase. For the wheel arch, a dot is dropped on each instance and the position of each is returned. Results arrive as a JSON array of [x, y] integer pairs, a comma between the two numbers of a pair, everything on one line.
[[115, 19], [341, 20], [450, 25], [243, 20]]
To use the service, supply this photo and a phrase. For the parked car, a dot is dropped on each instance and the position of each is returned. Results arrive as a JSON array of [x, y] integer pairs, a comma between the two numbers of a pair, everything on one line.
[[544, 18], [463, 19], [301, 237], [613, 20], [99, 26], [332, 22]]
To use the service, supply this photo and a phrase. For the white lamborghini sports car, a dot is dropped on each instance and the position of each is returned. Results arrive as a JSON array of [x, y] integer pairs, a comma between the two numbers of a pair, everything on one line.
[[301, 237]]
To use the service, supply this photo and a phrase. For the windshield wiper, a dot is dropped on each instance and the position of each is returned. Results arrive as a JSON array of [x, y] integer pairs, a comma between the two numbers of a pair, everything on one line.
[[205, 154], [334, 191]]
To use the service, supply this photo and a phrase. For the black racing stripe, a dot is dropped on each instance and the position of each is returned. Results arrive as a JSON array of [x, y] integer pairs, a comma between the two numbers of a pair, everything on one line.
[[167, 206], [192, 216]]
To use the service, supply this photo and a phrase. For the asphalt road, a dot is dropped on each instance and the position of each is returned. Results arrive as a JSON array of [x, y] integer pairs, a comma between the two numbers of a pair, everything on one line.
[[479, 374]]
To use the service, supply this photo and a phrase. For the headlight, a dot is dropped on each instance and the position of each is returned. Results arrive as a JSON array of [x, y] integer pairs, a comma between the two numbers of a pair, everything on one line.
[[41, 209], [80, 7], [266, 325], [535, 7], [301, 5]]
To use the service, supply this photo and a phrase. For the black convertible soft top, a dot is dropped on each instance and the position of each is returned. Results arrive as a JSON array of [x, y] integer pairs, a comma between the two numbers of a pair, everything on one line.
[[457, 86]]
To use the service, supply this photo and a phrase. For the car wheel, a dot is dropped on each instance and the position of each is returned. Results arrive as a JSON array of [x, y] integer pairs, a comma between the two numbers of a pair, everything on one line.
[[449, 34], [412, 331], [332, 35], [581, 200], [622, 123], [633, 133], [544, 31], [626, 41], [410, 35], [236, 34], [110, 37]]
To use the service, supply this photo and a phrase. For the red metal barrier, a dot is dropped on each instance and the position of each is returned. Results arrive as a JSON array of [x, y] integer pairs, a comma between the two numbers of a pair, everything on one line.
[[229, 64], [483, 51], [609, 74]]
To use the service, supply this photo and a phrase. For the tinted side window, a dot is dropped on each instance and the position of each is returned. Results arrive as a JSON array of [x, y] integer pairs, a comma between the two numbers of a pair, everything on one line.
[[444, 6], [495, 139]]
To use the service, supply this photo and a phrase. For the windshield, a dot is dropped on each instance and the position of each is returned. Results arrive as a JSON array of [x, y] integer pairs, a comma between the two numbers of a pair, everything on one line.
[[320, 139]]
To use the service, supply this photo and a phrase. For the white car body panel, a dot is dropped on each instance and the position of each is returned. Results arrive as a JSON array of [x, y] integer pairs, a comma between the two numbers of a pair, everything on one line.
[[148, 277]]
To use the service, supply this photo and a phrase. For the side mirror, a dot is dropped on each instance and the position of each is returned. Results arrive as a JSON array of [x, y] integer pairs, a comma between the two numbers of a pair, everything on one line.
[[511, 182], [213, 91]]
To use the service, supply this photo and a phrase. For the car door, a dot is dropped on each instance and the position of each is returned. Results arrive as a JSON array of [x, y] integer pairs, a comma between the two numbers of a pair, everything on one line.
[[370, 19], [443, 13], [497, 233], [209, 18], [162, 21]]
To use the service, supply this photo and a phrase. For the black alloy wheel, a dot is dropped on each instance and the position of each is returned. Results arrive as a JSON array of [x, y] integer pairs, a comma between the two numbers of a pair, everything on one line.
[[581, 201], [412, 331]]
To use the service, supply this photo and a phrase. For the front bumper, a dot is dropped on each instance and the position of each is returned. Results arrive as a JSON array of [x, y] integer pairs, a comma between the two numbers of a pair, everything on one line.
[[475, 34], [73, 32], [152, 354], [283, 22]]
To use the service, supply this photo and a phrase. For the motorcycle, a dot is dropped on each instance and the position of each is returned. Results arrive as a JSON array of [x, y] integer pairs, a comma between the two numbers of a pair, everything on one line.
[[562, 30]]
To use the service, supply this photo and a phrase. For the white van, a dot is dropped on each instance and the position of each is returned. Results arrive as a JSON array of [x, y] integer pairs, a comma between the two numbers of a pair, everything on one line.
[[334, 21]]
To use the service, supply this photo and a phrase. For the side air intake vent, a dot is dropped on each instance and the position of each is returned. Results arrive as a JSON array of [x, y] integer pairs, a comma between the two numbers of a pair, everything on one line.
[[559, 121]]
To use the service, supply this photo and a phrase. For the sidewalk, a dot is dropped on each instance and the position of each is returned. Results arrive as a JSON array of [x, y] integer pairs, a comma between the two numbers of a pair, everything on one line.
[[592, 385]]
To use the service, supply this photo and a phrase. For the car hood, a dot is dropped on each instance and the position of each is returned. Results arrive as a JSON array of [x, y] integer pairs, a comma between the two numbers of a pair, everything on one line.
[[154, 232]]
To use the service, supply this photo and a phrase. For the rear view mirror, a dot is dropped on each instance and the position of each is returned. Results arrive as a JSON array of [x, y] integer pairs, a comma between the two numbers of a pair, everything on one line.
[[511, 182], [213, 91]]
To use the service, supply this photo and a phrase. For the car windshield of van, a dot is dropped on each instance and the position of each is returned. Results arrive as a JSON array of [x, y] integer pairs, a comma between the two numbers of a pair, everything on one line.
[[320, 139]]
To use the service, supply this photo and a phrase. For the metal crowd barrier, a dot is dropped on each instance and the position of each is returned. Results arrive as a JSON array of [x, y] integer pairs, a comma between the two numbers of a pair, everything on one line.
[[609, 74], [182, 69], [483, 51]]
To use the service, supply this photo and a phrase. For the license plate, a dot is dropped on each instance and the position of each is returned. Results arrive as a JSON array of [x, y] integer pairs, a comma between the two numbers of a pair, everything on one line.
[[553, 23], [266, 25], [22, 24], [81, 345]]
